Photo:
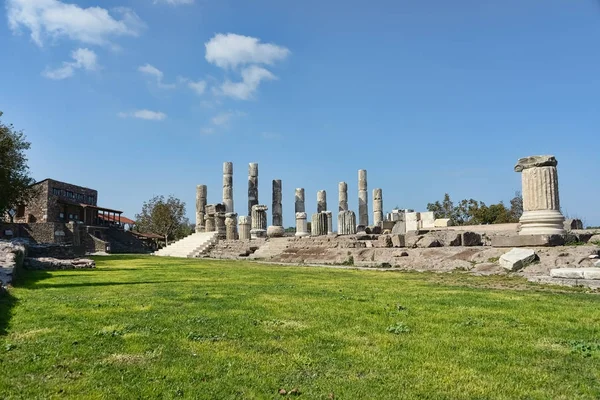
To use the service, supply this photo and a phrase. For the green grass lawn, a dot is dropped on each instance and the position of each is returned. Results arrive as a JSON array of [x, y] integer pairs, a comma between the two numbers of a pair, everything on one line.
[[150, 327]]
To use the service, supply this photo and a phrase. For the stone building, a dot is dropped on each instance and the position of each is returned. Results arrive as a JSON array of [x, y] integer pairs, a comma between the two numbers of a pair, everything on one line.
[[63, 202]]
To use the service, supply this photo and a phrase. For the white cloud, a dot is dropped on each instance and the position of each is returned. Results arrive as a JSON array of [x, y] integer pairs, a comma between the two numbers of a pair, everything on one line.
[[225, 117], [207, 131], [251, 78], [157, 74], [55, 19], [231, 50], [144, 114], [174, 2], [198, 87], [84, 59]]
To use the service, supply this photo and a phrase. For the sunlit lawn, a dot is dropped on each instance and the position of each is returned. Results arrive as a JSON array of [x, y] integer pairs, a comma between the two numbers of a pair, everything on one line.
[[149, 327]]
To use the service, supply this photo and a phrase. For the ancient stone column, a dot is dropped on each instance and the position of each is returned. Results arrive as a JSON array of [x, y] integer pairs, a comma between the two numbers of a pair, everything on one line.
[[231, 226], [363, 198], [301, 225], [346, 223], [321, 201], [329, 222], [377, 207], [299, 203], [342, 196], [252, 186], [318, 224], [209, 223], [244, 227], [220, 225], [259, 221], [541, 205], [276, 229], [228, 186], [200, 206]]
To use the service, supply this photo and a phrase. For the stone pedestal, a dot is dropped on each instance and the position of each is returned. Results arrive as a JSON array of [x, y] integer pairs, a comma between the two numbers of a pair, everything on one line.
[[377, 207], [321, 201], [220, 225], [299, 200], [541, 205], [244, 227], [346, 223], [301, 224], [342, 196], [252, 187], [318, 224], [363, 198], [259, 221], [200, 205], [231, 226], [228, 186]]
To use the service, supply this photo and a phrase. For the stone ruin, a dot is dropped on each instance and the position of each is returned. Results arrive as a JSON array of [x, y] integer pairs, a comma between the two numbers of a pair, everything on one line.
[[541, 225]]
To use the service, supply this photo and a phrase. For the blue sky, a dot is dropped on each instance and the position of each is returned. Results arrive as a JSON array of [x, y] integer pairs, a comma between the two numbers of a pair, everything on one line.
[[137, 98]]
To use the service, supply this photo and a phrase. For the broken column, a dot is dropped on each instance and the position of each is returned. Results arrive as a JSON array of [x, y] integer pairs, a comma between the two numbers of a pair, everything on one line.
[[541, 205], [346, 223], [377, 207], [220, 224], [252, 187], [301, 224], [259, 221], [299, 200], [276, 229], [363, 199], [209, 218], [228, 186], [200, 207], [231, 226], [321, 201], [342, 196], [244, 227], [329, 222], [318, 224]]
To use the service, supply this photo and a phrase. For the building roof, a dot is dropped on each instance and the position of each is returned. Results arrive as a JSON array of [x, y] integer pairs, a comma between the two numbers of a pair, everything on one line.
[[113, 218], [65, 183], [74, 203]]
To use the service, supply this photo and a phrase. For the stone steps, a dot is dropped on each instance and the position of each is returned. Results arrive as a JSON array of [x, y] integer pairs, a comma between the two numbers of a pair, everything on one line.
[[191, 246], [271, 248]]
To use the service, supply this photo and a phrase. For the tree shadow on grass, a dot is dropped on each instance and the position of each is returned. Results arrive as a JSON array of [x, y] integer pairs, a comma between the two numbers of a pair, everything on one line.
[[24, 278], [93, 284]]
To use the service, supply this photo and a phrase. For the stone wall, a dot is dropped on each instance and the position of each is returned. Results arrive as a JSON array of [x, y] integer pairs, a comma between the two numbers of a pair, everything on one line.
[[35, 232]]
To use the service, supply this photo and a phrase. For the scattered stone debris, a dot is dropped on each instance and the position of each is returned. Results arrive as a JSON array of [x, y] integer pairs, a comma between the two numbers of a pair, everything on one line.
[[517, 259], [48, 263]]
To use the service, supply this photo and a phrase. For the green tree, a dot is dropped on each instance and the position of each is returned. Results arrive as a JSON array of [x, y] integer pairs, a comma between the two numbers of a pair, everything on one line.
[[444, 209], [516, 207], [162, 216], [15, 181]]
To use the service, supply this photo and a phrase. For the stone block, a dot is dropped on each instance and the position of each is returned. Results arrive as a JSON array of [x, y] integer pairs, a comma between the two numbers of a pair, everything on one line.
[[427, 224], [567, 273], [385, 241], [571, 224], [275, 231], [428, 241], [517, 259], [471, 239], [591, 273], [528, 241], [412, 226], [387, 225], [597, 264], [399, 228], [398, 240], [427, 216], [442, 222], [411, 216]]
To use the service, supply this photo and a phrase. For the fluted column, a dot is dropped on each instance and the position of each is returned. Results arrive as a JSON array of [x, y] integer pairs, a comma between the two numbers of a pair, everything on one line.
[[321, 201], [252, 186], [541, 204], [299, 200], [259, 221], [342, 196], [363, 199], [209, 223], [301, 224], [346, 223], [228, 186], [329, 222], [276, 229], [244, 227], [231, 226], [318, 225], [377, 207], [220, 225], [200, 206]]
